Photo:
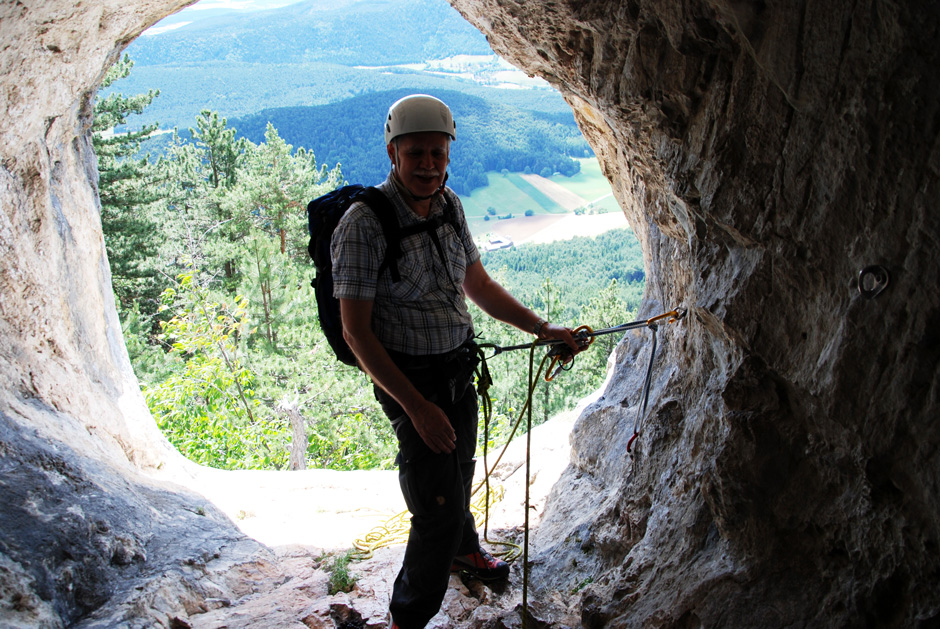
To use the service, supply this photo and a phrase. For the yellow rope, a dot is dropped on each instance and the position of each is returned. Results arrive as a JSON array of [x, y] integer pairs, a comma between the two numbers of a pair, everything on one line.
[[395, 530]]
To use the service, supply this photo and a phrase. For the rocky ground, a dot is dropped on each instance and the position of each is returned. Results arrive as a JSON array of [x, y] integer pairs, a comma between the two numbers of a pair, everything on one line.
[[307, 518]]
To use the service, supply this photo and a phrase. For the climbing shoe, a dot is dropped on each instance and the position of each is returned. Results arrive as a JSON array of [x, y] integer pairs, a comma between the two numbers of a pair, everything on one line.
[[481, 565]]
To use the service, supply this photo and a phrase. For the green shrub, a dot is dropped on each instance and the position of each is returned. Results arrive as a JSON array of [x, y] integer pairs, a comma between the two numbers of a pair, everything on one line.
[[341, 580]]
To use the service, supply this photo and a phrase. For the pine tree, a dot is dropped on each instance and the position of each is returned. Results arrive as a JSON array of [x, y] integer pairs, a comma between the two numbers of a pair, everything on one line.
[[267, 206], [127, 187], [222, 151]]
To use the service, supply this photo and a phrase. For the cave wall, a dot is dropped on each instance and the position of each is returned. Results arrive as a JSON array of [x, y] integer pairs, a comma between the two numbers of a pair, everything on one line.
[[84, 525], [765, 153], [787, 472]]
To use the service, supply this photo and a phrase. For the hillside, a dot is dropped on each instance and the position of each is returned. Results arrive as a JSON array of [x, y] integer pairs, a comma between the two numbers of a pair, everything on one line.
[[490, 137], [357, 32], [315, 53]]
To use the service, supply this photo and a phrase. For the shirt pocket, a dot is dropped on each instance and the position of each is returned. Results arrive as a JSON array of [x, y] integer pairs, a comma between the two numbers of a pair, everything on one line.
[[456, 259], [415, 279]]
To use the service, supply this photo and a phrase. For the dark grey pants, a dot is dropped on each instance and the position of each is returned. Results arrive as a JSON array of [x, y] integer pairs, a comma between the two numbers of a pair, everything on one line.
[[436, 488]]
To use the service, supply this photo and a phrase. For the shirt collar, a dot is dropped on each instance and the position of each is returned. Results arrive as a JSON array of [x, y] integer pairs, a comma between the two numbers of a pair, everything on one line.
[[401, 193]]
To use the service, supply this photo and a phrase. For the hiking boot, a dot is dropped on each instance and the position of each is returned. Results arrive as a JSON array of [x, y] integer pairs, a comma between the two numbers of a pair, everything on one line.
[[482, 565]]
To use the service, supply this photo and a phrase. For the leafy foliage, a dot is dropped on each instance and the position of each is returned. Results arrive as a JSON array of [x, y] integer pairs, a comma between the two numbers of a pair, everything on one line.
[[235, 338], [206, 409]]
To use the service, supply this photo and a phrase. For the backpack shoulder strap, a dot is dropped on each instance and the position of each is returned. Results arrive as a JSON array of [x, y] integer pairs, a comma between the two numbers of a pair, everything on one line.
[[450, 211], [383, 209]]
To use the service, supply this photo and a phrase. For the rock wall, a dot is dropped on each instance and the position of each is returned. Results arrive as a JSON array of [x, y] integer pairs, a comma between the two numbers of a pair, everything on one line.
[[765, 153], [82, 530], [787, 472]]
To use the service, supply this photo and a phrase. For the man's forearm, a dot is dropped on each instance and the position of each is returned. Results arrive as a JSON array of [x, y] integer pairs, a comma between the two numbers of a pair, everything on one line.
[[375, 361], [498, 303], [428, 419]]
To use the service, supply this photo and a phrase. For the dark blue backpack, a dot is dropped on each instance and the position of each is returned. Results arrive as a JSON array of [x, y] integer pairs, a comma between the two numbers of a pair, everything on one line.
[[323, 214]]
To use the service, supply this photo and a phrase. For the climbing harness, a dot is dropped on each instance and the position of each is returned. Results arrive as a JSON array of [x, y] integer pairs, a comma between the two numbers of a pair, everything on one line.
[[395, 530]]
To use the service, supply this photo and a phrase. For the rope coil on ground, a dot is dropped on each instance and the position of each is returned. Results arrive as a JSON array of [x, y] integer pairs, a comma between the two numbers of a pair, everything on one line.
[[395, 529]]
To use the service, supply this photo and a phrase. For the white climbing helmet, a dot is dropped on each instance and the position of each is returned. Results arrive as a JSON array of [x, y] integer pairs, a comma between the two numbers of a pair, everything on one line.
[[416, 113]]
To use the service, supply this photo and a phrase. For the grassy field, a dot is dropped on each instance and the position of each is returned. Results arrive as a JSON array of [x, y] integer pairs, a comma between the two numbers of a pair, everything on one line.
[[502, 195], [511, 194], [590, 183], [535, 194]]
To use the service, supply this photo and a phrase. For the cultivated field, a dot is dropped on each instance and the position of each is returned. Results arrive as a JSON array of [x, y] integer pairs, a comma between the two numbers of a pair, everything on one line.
[[552, 201], [549, 228]]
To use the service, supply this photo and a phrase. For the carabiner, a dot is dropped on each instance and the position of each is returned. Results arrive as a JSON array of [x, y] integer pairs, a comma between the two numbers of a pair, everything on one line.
[[672, 315], [583, 335]]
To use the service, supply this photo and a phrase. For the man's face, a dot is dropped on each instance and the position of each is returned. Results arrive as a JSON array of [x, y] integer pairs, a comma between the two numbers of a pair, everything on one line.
[[421, 160]]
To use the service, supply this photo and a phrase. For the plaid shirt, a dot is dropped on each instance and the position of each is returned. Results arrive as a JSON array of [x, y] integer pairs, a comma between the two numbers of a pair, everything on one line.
[[423, 313]]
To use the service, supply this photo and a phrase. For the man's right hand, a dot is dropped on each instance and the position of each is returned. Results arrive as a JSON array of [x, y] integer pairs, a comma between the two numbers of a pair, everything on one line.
[[428, 419], [433, 427]]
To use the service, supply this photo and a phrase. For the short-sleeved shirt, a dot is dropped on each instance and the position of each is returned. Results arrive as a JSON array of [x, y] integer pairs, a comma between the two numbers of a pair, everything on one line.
[[426, 312]]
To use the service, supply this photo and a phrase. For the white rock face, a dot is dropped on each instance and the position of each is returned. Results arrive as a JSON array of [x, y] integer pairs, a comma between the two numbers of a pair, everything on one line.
[[788, 472], [765, 155]]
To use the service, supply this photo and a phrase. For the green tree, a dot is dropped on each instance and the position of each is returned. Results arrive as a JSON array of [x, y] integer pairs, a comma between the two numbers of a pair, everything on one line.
[[267, 233], [606, 309], [198, 175], [127, 187], [273, 185], [208, 408], [221, 150], [194, 220]]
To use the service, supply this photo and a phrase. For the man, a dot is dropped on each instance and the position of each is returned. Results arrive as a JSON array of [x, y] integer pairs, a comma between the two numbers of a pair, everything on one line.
[[414, 338]]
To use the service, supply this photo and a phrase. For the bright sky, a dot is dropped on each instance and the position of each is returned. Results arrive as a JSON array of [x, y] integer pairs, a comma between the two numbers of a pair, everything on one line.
[[191, 13], [243, 5]]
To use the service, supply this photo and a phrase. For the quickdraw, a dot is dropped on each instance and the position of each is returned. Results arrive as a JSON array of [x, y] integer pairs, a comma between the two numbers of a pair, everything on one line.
[[653, 325], [584, 335]]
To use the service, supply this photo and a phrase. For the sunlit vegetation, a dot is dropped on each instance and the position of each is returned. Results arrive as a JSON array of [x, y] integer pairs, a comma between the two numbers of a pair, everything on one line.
[[207, 244]]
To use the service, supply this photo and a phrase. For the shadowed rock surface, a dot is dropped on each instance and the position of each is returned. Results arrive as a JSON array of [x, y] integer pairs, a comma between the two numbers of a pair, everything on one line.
[[787, 473]]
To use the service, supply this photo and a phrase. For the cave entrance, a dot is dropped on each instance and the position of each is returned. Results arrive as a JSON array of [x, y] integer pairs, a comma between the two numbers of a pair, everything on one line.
[[238, 358]]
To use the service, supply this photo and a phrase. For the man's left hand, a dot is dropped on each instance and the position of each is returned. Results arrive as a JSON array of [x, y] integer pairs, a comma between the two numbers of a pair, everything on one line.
[[551, 331]]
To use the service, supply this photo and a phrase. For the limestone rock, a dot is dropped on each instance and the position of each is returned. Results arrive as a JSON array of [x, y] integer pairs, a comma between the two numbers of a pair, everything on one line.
[[787, 471]]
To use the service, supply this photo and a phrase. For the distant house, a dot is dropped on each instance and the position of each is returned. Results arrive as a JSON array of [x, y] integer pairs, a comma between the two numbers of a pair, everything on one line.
[[497, 242]]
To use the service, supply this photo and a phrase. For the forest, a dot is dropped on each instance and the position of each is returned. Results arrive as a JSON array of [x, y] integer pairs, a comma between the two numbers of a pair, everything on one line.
[[207, 246], [317, 53], [491, 137]]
